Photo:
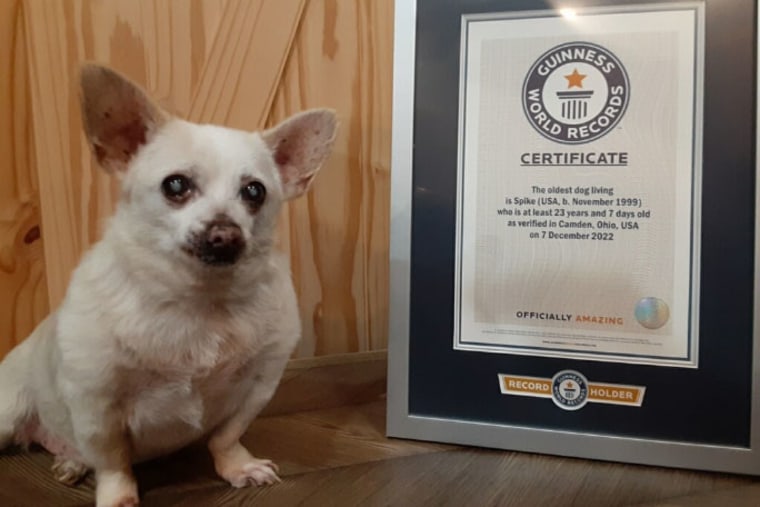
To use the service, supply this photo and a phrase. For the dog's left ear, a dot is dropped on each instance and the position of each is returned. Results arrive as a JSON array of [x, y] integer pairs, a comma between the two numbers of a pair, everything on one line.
[[118, 116], [299, 146]]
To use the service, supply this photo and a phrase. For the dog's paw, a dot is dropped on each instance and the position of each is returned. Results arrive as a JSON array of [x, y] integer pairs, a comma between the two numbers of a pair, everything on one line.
[[67, 471], [259, 472], [116, 489], [125, 501]]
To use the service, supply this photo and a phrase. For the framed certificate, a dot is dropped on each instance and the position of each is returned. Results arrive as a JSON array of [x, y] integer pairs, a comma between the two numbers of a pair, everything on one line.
[[574, 216]]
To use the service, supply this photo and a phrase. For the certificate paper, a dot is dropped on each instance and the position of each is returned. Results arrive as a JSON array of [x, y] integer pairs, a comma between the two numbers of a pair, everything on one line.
[[578, 185]]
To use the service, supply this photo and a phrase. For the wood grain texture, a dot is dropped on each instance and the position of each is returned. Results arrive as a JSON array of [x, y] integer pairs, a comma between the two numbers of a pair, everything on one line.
[[338, 235], [340, 457], [242, 71], [478, 477], [245, 64], [744, 496], [330, 381], [23, 285]]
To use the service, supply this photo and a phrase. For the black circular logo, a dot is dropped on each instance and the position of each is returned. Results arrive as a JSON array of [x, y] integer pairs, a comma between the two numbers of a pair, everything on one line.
[[569, 390], [575, 93]]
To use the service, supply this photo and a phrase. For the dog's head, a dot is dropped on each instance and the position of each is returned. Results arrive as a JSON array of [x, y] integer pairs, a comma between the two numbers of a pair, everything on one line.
[[199, 192]]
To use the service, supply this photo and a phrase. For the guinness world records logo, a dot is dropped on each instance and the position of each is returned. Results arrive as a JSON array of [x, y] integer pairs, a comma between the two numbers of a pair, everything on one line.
[[575, 93], [569, 390]]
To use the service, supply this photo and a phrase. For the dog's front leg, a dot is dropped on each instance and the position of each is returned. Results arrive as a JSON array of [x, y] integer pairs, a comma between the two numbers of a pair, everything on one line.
[[102, 439], [232, 460]]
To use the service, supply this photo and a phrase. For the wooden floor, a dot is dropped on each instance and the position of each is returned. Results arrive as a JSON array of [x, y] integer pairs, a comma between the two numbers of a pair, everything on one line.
[[339, 457], [325, 428]]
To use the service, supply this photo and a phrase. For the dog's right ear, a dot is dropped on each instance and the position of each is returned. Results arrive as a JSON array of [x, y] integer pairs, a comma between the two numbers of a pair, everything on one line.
[[299, 146], [118, 116]]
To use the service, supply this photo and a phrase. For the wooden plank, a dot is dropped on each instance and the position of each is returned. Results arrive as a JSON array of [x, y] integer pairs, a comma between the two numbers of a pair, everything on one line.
[[330, 381], [60, 185], [338, 234], [26, 480], [744, 496], [246, 61], [473, 477], [23, 285]]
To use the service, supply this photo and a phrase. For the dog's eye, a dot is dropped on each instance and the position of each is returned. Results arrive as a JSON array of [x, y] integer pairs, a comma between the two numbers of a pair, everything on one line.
[[177, 188], [254, 194]]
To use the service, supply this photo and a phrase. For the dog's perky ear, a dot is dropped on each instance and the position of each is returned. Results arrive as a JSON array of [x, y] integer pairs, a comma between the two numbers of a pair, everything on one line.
[[118, 116], [299, 146]]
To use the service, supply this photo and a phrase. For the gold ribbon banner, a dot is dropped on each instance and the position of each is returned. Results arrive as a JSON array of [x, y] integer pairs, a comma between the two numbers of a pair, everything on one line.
[[598, 392]]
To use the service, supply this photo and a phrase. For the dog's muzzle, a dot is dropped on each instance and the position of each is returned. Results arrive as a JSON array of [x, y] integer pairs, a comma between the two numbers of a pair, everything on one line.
[[220, 244]]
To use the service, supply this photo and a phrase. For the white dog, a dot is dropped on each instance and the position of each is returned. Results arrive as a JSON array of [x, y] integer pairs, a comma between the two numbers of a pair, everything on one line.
[[178, 324]]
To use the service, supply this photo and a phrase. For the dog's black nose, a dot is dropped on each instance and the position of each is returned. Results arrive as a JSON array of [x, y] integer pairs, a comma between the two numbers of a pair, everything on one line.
[[222, 243]]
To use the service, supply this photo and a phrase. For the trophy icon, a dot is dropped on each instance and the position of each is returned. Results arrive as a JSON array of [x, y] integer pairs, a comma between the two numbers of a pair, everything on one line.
[[575, 102]]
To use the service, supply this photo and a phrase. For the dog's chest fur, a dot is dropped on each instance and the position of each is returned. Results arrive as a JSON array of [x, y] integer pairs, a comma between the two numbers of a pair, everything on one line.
[[174, 394], [181, 364], [170, 397]]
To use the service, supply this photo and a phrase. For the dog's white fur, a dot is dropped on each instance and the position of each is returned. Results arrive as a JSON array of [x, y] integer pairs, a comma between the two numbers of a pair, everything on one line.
[[152, 349]]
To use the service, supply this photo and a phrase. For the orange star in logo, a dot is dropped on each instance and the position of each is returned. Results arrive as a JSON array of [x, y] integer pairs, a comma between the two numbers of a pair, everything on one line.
[[575, 79]]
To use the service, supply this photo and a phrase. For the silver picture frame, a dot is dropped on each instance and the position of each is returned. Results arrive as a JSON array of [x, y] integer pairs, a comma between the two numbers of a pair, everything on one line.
[[461, 429]]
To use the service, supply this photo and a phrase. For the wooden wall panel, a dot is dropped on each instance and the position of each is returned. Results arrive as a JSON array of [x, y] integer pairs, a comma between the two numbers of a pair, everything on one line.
[[245, 64], [243, 70], [23, 288], [338, 235]]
